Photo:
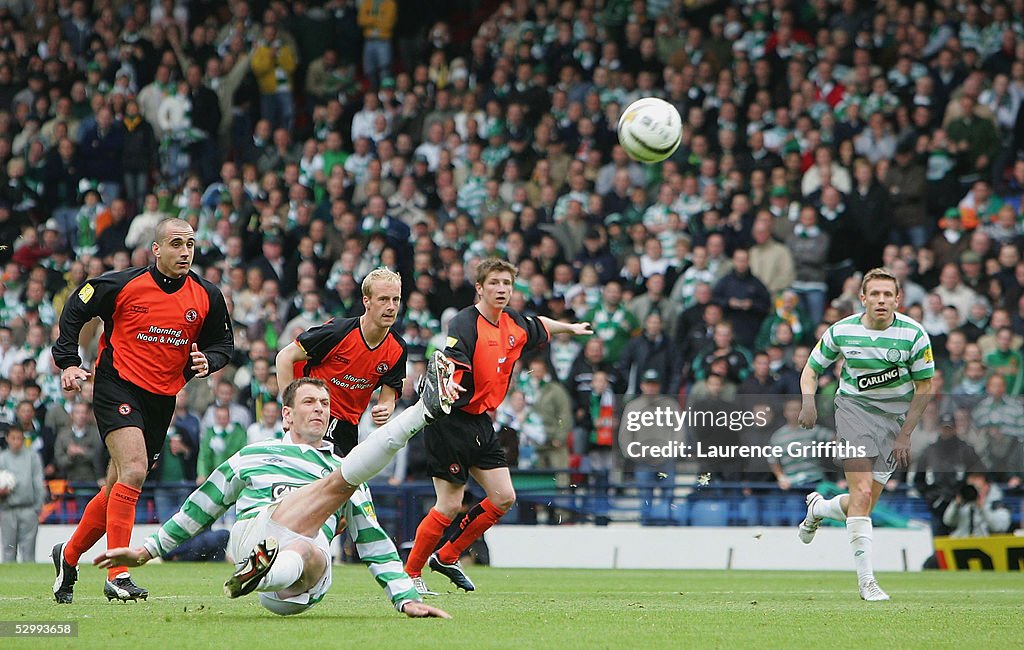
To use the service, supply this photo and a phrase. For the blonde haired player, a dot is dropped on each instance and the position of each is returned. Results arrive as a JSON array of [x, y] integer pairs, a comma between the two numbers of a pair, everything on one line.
[[885, 385]]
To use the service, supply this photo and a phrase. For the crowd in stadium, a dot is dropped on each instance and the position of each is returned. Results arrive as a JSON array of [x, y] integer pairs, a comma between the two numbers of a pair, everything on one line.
[[310, 142]]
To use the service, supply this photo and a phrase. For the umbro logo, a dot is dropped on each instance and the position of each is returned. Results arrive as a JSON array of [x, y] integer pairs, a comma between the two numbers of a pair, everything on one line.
[[853, 353]]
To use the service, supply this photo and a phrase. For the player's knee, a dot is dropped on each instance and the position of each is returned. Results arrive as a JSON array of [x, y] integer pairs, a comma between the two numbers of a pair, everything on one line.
[[132, 474], [448, 510], [504, 502], [860, 494]]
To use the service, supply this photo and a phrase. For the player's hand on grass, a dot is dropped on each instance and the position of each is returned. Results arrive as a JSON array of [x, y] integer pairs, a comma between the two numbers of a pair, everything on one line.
[[123, 556], [413, 609], [901, 450], [71, 378], [808, 415]]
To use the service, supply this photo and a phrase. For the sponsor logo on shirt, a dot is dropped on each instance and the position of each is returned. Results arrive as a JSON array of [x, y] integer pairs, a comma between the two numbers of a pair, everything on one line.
[[279, 490], [877, 379]]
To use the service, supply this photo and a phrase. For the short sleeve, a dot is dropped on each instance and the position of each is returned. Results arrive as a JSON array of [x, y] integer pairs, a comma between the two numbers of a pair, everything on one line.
[[317, 341], [824, 353], [922, 360], [461, 339], [395, 377], [536, 333]]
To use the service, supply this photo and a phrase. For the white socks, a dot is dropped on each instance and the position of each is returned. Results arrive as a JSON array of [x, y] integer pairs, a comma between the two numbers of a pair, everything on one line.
[[372, 455], [831, 508], [286, 571], [860, 541]]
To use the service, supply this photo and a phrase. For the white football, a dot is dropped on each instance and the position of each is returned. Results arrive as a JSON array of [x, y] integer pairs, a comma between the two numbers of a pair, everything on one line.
[[650, 130], [7, 480]]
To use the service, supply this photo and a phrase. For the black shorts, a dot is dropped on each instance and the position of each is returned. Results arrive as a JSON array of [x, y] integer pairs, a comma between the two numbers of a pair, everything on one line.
[[459, 442], [118, 403], [344, 435]]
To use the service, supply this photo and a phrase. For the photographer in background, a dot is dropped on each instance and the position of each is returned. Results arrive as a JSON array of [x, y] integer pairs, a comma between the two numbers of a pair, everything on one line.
[[977, 510]]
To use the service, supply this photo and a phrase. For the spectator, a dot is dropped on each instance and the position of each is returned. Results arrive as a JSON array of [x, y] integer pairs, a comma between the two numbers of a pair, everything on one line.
[[999, 409], [797, 468], [744, 298], [977, 509], [219, 442], [612, 322], [78, 453], [268, 427], [941, 469], [770, 261], [377, 20], [273, 64], [20, 505]]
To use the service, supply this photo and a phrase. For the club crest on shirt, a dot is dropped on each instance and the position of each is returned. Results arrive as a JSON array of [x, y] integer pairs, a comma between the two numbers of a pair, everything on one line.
[[382, 367], [125, 409], [511, 341], [893, 355], [191, 315], [454, 469]]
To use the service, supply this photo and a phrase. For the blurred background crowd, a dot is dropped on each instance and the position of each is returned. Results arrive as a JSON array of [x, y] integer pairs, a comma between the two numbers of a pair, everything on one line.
[[310, 142]]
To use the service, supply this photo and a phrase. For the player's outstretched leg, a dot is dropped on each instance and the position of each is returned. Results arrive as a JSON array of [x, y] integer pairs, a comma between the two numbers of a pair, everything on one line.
[[67, 576], [374, 453], [453, 572], [436, 401], [252, 570]]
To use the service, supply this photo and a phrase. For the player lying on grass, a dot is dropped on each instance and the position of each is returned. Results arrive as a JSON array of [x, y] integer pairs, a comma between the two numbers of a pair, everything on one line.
[[292, 495]]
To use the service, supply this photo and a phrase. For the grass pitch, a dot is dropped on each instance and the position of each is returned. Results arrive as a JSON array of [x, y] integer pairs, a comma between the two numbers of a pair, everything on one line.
[[562, 609]]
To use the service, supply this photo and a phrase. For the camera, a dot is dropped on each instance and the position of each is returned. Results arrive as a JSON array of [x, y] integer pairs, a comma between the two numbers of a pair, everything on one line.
[[968, 492]]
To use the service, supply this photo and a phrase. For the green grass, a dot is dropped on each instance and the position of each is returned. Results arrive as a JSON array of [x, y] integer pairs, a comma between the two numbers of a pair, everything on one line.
[[562, 609]]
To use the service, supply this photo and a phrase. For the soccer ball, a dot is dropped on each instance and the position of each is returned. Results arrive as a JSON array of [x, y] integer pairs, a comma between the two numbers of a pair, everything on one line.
[[650, 130], [7, 480]]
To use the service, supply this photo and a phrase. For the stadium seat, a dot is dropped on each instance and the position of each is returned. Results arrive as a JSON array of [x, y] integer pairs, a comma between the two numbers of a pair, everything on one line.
[[709, 513], [748, 511]]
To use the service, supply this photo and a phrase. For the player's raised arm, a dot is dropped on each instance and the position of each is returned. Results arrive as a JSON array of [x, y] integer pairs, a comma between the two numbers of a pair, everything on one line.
[[285, 363], [559, 327]]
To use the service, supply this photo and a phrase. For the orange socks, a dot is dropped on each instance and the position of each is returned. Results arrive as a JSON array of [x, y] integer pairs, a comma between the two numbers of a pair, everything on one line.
[[428, 534], [479, 518], [90, 529], [120, 520]]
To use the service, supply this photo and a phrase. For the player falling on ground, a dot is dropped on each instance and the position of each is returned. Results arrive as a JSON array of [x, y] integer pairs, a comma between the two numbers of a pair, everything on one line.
[[291, 496], [484, 342], [354, 356], [885, 385], [162, 325]]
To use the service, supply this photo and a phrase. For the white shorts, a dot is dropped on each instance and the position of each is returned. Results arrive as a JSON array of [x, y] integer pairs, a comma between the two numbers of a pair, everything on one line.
[[875, 433], [246, 533]]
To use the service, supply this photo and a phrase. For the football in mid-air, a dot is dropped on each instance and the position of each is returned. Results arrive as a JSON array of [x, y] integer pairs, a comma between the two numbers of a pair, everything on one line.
[[7, 480], [650, 130]]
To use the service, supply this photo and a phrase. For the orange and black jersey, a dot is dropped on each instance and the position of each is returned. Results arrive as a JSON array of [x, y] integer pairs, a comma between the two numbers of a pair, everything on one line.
[[485, 352], [150, 322], [340, 356]]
